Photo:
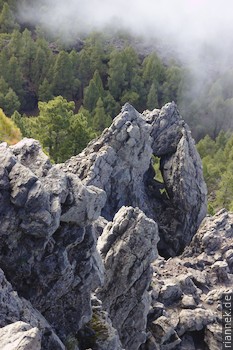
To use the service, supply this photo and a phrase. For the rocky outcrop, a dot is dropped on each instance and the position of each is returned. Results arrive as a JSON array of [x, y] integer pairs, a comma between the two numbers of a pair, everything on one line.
[[128, 247], [119, 162], [186, 291], [47, 244], [180, 165], [20, 336], [18, 316], [73, 296]]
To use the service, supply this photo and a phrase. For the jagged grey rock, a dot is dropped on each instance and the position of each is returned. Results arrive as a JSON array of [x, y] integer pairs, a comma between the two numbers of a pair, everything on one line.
[[128, 246], [181, 168], [50, 217], [187, 290], [20, 336], [119, 162], [47, 243], [18, 311]]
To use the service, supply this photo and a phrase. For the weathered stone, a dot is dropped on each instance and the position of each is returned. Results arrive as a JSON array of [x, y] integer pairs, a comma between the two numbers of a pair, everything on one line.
[[213, 336], [221, 269], [188, 302], [46, 236], [20, 336], [48, 239], [203, 275], [14, 309], [29, 153], [164, 333], [128, 246], [194, 320], [119, 162], [169, 293]]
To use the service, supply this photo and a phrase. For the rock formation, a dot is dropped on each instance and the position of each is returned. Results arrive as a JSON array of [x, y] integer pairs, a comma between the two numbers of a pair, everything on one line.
[[78, 242], [128, 247], [47, 246], [186, 291], [18, 316], [119, 162]]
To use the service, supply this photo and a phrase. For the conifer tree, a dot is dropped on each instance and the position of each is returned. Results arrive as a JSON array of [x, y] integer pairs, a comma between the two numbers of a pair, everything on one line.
[[52, 126], [27, 54], [62, 76], [11, 102], [79, 134], [117, 74], [100, 120], [45, 91], [93, 92], [7, 20], [152, 99], [14, 76]]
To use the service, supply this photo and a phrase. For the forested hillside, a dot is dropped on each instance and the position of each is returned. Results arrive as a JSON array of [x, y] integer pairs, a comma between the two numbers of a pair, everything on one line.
[[66, 94]]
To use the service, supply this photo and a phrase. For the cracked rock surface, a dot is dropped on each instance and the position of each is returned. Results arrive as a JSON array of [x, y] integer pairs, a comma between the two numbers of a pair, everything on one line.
[[119, 162], [20, 336], [128, 247], [47, 243], [187, 291], [78, 241]]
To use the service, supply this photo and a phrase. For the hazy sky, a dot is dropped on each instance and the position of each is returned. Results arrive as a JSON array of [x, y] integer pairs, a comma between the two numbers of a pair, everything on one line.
[[187, 24]]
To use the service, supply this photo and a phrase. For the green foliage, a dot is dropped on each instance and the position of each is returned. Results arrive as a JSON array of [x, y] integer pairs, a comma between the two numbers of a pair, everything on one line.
[[217, 159], [100, 120], [7, 19], [152, 99], [45, 91], [171, 86], [99, 78], [62, 76], [93, 92], [131, 97], [8, 130], [9, 101], [123, 73], [61, 132]]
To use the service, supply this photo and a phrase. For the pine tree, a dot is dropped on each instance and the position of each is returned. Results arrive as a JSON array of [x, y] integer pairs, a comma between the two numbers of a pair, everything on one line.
[[27, 54], [100, 120], [111, 107], [52, 126], [40, 67], [7, 20], [79, 134], [152, 70], [171, 87], [14, 46], [62, 76], [93, 92], [45, 91], [152, 99], [117, 74], [11, 102], [131, 97], [14, 76]]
